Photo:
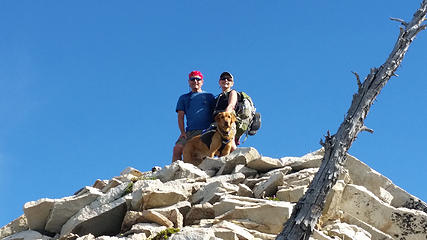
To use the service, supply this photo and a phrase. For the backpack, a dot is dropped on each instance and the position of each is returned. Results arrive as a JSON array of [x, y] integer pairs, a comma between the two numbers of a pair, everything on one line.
[[248, 120]]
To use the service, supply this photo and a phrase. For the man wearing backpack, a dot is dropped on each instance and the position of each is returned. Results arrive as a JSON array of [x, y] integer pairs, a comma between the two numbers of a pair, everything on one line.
[[197, 107]]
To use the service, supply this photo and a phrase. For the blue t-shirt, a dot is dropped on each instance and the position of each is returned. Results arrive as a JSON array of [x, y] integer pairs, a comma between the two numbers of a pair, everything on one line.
[[198, 107]]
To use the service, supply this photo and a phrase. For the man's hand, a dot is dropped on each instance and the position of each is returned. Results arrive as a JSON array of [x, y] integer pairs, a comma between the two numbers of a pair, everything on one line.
[[183, 136]]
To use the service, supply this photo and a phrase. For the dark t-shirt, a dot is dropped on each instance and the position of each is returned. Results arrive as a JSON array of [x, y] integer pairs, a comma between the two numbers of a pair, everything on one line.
[[198, 107]]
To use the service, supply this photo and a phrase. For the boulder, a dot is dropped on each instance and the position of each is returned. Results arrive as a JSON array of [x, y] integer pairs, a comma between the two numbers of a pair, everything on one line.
[[269, 216], [283, 170], [244, 191], [148, 229], [248, 172], [18, 225], [198, 212], [64, 208], [310, 160], [268, 187], [292, 194], [397, 222], [212, 191], [239, 156], [103, 216], [154, 194], [234, 178], [190, 233], [178, 170], [241, 232], [265, 164], [211, 164], [37, 213], [27, 235], [346, 231]]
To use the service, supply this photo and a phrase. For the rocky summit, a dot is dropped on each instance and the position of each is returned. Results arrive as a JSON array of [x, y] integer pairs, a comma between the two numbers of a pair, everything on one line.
[[240, 196]]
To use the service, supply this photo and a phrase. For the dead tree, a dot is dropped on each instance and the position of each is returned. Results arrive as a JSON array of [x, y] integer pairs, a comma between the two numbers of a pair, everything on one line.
[[309, 208]]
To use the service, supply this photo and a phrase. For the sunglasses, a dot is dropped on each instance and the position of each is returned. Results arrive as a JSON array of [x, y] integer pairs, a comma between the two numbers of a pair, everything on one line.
[[227, 78], [195, 79]]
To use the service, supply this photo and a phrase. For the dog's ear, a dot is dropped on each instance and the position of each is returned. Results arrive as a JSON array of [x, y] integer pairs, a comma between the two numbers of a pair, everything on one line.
[[217, 117]]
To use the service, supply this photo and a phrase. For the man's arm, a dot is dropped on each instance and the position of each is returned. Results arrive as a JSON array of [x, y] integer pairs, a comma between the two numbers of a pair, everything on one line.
[[181, 124]]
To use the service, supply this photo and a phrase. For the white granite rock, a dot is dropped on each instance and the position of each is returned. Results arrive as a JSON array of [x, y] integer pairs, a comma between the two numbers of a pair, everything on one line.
[[269, 187], [277, 211], [292, 194], [179, 169], [241, 232], [102, 217], [346, 231], [396, 222], [265, 164], [37, 213], [18, 225], [198, 212], [212, 191], [27, 235], [234, 178], [65, 208], [239, 156]]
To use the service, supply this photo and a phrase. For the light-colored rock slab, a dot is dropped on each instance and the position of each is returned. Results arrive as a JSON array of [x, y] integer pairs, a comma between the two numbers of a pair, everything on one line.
[[291, 194], [149, 229], [234, 178], [154, 194], [346, 231], [132, 171], [190, 233], [239, 156], [18, 225], [265, 164], [198, 212], [86, 237], [310, 160], [37, 213], [27, 235], [102, 217], [241, 232], [64, 208], [375, 233], [269, 187], [178, 170], [100, 184], [301, 178], [211, 192], [283, 170], [397, 222], [241, 168], [211, 164], [277, 211], [111, 184], [244, 191]]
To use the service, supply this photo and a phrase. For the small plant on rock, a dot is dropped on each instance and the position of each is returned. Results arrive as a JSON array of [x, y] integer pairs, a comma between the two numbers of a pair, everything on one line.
[[165, 234]]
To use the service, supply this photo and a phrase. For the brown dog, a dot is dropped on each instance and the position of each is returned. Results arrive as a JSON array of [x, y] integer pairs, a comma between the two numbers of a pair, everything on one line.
[[221, 142]]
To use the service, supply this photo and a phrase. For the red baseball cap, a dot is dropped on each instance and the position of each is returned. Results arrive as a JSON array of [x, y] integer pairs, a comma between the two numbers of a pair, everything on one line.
[[195, 74]]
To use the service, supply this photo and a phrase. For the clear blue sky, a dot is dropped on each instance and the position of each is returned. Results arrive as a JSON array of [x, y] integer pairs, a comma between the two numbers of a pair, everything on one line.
[[88, 88]]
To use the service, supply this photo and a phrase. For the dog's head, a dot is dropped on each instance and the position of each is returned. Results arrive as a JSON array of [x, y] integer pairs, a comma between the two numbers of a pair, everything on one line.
[[225, 120]]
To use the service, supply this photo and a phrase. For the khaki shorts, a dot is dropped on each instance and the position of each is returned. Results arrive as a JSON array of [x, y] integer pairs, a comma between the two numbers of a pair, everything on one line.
[[190, 134]]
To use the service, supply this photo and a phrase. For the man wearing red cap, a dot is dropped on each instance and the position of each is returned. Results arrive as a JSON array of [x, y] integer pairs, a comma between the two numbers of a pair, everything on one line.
[[197, 107]]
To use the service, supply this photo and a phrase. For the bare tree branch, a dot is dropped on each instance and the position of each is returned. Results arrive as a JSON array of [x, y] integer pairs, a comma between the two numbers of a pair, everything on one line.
[[309, 208], [399, 20]]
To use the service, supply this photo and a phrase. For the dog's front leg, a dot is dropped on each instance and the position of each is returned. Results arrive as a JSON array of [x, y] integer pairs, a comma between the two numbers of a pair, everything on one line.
[[227, 148], [215, 145]]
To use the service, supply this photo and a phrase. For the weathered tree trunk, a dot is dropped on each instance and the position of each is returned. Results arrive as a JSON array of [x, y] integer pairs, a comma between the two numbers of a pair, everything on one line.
[[309, 208]]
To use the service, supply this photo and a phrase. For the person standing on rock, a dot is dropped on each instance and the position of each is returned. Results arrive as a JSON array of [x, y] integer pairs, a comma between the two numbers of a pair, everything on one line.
[[197, 107]]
